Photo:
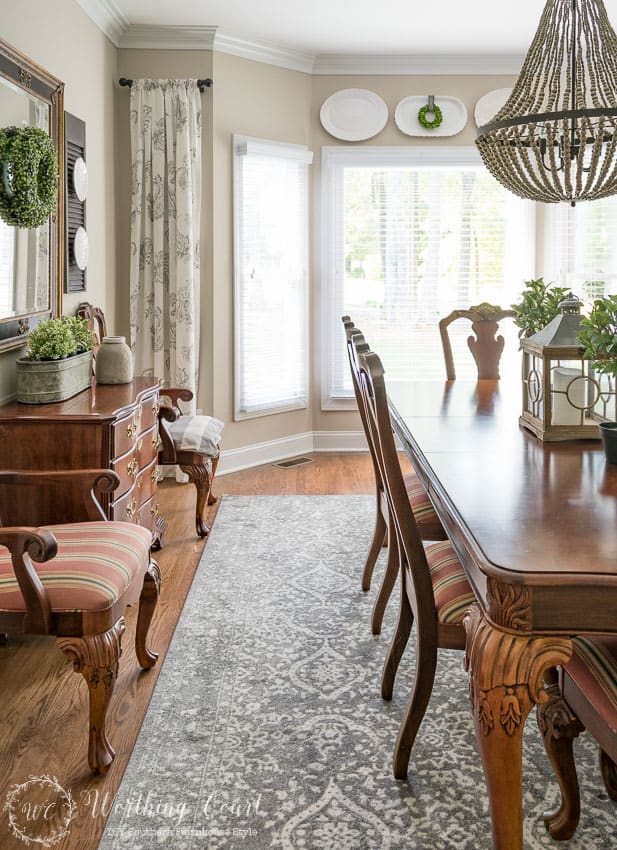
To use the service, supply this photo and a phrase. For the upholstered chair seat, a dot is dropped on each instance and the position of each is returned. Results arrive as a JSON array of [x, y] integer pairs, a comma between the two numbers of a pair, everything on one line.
[[95, 565]]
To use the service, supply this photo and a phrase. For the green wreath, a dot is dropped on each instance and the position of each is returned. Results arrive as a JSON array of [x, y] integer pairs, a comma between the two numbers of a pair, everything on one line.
[[430, 125], [29, 176]]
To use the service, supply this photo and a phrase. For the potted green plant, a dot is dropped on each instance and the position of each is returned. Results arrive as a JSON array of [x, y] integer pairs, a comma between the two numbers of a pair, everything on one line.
[[538, 306], [58, 361], [598, 336]]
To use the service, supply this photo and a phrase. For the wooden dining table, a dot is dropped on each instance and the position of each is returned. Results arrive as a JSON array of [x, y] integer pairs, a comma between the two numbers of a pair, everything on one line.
[[535, 527]]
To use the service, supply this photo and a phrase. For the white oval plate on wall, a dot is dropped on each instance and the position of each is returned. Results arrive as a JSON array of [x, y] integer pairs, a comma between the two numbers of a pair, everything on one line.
[[354, 115], [453, 110], [80, 248], [489, 105], [80, 179]]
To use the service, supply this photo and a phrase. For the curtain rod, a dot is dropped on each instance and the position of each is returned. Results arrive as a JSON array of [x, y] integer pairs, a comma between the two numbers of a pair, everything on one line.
[[201, 84]]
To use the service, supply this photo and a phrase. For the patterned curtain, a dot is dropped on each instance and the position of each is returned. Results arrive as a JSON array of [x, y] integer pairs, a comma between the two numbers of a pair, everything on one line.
[[165, 212]]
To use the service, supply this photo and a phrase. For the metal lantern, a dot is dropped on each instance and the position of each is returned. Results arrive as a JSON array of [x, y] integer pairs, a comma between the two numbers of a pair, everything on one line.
[[555, 138], [563, 397]]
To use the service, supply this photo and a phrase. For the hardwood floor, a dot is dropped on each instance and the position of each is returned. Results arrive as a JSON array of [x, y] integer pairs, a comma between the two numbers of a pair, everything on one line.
[[43, 729]]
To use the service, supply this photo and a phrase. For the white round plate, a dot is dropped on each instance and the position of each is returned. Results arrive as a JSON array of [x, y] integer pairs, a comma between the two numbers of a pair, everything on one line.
[[489, 105], [80, 179], [354, 114], [453, 110], [80, 248]]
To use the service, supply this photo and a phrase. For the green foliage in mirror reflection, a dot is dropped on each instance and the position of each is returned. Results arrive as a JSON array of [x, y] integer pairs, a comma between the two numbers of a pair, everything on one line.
[[29, 176]]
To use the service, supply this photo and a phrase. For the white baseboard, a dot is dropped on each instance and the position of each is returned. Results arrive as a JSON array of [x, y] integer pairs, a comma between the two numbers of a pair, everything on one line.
[[339, 441], [245, 457]]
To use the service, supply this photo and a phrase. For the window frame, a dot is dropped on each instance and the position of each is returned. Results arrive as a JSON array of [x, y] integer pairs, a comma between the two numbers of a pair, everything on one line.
[[355, 157], [242, 146]]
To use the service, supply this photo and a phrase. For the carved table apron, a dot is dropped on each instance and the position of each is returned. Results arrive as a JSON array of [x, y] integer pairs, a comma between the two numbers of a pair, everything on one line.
[[534, 527]]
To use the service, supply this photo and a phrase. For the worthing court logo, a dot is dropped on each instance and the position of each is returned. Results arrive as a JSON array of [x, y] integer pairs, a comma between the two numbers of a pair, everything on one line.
[[40, 810]]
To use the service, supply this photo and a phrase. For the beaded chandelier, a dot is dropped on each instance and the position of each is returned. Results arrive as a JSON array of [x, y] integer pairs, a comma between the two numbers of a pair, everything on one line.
[[555, 137]]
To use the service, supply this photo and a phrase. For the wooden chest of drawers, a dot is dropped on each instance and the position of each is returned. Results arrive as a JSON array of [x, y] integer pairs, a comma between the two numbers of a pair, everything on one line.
[[107, 427]]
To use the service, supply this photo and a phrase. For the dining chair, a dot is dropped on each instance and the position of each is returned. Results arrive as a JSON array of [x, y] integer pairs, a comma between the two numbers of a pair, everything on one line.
[[74, 580], [428, 521], [435, 593], [190, 441], [486, 347], [582, 694]]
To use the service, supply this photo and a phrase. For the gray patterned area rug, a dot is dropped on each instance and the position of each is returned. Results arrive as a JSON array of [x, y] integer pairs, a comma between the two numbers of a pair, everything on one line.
[[267, 730]]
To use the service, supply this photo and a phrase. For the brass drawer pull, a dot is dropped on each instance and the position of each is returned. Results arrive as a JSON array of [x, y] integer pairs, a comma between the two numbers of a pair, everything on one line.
[[131, 430], [130, 508], [132, 468], [156, 475]]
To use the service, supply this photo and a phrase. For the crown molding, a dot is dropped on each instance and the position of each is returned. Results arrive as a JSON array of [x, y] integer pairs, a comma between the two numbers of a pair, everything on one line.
[[264, 51], [108, 18], [349, 63], [146, 36]]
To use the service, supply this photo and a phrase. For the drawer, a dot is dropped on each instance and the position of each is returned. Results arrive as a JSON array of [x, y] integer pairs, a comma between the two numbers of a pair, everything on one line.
[[127, 467], [147, 513], [125, 508], [149, 412], [124, 432], [147, 446], [145, 485]]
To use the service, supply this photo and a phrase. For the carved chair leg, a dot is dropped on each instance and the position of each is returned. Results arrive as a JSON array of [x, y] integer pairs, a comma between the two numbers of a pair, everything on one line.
[[559, 726], [212, 499], [609, 774], [96, 658], [147, 605], [387, 583], [426, 663], [399, 642], [374, 551], [201, 477]]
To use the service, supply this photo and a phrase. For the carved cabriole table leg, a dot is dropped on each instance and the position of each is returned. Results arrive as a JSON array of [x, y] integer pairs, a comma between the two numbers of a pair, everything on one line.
[[201, 476], [96, 658], [147, 605], [505, 681], [559, 726]]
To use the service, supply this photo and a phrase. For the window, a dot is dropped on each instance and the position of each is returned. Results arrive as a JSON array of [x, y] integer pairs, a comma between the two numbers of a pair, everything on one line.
[[410, 234], [582, 247], [270, 276]]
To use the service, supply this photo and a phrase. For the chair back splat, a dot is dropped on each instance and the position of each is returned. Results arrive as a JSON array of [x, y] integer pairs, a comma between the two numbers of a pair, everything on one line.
[[429, 524], [434, 591], [486, 347]]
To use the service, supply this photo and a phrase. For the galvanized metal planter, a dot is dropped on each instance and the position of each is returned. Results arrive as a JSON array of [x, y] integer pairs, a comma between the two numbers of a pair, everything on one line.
[[44, 381]]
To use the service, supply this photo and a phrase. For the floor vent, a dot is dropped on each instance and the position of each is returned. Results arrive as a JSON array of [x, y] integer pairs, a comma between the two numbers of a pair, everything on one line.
[[296, 461]]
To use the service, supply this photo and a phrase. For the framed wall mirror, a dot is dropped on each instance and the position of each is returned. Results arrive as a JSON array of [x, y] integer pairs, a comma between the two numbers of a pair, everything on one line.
[[31, 261]]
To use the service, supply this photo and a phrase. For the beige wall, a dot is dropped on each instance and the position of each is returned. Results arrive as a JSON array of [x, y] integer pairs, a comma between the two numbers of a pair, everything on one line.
[[260, 100], [392, 89], [247, 98], [61, 38]]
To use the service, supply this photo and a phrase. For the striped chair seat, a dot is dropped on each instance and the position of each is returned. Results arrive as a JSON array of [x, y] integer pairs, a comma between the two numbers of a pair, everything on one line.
[[453, 593], [429, 524], [593, 669], [95, 564]]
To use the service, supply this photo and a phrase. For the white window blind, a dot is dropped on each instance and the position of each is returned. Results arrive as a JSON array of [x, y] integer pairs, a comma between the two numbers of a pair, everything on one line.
[[582, 247], [270, 276], [410, 234]]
